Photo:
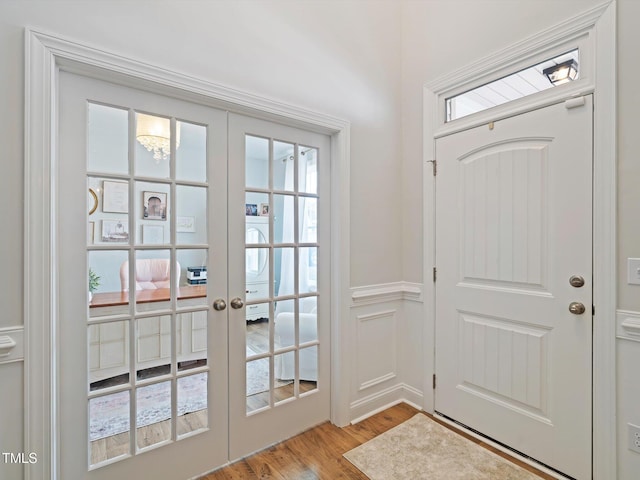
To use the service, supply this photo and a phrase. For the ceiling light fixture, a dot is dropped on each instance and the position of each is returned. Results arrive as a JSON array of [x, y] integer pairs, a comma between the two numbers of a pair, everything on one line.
[[154, 134], [562, 73]]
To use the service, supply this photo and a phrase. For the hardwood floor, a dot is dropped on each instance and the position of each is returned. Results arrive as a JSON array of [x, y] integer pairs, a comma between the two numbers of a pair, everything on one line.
[[317, 453]]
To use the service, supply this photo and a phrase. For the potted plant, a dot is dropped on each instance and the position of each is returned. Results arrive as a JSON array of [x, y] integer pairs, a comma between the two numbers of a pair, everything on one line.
[[94, 282]]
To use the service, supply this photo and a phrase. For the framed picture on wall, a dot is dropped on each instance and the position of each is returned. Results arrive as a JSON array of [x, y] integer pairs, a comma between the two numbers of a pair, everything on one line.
[[264, 210], [115, 231], [251, 209], [154, 205], [90, 232], [115, 197]]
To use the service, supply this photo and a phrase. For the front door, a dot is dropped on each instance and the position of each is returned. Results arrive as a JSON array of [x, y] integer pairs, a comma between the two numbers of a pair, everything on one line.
[[188, 278], [514, 283]]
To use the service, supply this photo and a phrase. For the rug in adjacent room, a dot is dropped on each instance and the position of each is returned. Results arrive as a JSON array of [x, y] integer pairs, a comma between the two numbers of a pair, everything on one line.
[[421, 449]]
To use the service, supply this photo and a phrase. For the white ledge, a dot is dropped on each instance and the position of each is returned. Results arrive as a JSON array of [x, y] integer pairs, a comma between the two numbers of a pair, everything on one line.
[[628, 325], [11, 345], [386, 292]]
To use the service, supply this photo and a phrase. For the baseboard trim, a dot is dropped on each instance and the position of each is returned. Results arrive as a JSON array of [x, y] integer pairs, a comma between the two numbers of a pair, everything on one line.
[[377, 402]]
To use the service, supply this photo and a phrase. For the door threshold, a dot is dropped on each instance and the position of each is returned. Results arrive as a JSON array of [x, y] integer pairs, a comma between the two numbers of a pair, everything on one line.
[[511, 452]]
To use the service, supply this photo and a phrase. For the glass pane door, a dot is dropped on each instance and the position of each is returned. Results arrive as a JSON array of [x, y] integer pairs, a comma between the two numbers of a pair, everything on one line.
[[147, 326], [145, 384], [279, 338]]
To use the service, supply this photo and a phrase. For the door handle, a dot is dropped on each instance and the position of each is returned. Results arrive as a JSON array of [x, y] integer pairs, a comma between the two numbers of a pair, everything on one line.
[[577, 308], [219, 305], [576, 281], [237, 303]]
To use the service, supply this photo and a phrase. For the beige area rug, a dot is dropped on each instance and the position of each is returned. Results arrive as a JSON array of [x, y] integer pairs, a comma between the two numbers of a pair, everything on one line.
[[422, 449]]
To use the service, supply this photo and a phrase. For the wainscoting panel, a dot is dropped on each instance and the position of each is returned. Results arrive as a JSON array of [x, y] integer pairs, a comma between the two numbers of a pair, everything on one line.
[[385, 356], [376, 331]]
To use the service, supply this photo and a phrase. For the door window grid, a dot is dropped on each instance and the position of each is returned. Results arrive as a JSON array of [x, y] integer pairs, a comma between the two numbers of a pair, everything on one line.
[[290, 352], [173, 310]]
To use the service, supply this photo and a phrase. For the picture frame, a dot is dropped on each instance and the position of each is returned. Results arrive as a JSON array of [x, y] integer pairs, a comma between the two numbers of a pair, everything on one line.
[[115, 231], [91, 228], [251, 209], [154, 205], [115, 197], [92, 201], [186, 224], [264, 210], [152, 234]]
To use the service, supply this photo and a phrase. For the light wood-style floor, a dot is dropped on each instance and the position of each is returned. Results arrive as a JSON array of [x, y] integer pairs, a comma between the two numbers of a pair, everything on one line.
[[317, 453]]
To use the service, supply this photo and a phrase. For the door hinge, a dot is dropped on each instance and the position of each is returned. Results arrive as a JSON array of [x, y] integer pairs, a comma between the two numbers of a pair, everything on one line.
[[434, 381], [593, 309], [435, 274], [434, 164]]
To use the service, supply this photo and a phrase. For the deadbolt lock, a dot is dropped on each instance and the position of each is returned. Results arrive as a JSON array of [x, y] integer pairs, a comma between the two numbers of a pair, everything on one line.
[[576, 281]]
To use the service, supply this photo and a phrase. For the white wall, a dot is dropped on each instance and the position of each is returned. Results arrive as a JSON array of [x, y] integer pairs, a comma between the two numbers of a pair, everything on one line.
[[433, 46], [339, 58], [628, 226]]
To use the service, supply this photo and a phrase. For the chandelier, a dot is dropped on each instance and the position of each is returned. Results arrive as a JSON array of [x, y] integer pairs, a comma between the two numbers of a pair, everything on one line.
[[154, 134]]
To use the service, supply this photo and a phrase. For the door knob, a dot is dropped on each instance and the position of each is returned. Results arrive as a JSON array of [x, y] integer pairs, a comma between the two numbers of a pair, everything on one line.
[[219, 305], [576, 281], [237, 303], [577, 308]]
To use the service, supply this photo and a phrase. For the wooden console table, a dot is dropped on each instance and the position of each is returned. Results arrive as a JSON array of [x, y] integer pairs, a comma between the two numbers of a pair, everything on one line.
[[112, 299]]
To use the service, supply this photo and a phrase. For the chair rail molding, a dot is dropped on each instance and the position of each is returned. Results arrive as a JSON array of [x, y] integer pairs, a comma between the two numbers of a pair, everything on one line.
[[45, 55], [594, 31], [628, 325], [11, 344], [386, 292]]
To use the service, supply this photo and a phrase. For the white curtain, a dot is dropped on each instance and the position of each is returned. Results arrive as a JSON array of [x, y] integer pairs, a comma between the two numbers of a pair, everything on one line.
[[287, 279]]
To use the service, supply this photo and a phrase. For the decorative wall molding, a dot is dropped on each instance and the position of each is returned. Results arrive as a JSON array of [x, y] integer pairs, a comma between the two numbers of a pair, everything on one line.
[[376, 350], [386, 292], [628, 325], [11, 344]]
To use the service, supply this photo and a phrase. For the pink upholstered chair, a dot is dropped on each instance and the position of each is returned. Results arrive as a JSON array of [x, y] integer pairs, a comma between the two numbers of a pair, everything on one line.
[[151, 273]]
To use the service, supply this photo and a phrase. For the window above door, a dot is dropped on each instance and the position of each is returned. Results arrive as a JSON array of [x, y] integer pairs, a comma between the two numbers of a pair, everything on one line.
[[553, 72]]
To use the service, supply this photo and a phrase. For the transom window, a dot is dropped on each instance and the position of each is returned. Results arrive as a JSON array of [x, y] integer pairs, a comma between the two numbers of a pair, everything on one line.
[[551, 73]]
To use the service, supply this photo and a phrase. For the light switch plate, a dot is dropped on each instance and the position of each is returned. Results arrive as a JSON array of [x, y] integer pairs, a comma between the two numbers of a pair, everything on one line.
[[633, 271]]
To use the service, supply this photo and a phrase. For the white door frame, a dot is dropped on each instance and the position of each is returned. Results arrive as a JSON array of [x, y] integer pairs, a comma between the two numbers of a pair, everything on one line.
[[45, 55], [594, 32]]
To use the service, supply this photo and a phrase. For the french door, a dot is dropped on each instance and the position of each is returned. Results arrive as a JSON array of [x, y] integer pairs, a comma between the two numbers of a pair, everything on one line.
[[278, 343], [159, 231]]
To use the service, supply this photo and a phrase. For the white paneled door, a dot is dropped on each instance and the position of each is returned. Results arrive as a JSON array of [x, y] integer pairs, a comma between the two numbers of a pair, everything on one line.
[[192, 301], [514, 283]]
